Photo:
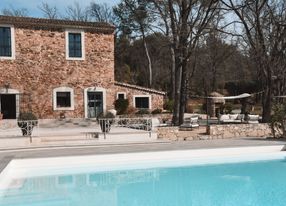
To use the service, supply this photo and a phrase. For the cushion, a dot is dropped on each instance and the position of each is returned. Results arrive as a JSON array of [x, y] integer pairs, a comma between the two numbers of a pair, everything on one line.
[[253, 117], [224, 117], [233, 116]]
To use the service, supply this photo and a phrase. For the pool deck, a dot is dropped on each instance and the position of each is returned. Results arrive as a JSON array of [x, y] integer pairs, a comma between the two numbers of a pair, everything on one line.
[[7, 155]]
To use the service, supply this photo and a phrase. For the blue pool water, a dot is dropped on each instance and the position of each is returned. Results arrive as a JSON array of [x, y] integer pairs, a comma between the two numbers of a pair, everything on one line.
[[261, 183]]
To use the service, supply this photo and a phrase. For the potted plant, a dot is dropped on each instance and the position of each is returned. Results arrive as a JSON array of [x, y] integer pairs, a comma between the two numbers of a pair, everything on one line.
[[105, 121], [27, 121]]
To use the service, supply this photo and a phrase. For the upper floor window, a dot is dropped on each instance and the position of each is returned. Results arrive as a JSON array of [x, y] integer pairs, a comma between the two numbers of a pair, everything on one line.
[[75, 45], [6, 42], [121, 95]]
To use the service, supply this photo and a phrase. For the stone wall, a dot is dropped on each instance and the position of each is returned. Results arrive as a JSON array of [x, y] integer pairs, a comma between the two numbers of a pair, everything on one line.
[[226, 131], [175, 134], [40, 66]]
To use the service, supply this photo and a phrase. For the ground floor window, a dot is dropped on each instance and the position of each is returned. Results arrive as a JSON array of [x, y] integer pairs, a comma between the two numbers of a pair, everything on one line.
[[63, 98], [142, 102]]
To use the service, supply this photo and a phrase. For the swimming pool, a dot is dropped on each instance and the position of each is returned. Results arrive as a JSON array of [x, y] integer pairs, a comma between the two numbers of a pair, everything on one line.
[[232, 177]]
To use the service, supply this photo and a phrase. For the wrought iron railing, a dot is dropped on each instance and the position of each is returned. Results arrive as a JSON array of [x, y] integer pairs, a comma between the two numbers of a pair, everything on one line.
[[13, 128], [138, 125]]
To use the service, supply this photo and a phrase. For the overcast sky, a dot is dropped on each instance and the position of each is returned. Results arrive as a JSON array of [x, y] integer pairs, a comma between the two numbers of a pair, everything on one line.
[[31, 5]]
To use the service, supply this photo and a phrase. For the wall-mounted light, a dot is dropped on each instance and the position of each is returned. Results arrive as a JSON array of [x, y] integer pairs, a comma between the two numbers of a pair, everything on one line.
[[7, 86]]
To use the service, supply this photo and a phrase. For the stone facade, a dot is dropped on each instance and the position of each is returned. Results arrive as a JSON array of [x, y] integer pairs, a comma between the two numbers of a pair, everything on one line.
[[40, 65], [157, 98]]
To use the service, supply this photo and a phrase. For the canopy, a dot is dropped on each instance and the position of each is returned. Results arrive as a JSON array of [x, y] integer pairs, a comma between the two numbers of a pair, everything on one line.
[[241, 96]]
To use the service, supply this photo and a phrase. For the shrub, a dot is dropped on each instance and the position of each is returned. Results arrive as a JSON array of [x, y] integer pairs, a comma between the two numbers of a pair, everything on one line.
[[278, 121], [27, 116], [157, 111], [143, 111], [169, 105], [121, 106], [131, 110]]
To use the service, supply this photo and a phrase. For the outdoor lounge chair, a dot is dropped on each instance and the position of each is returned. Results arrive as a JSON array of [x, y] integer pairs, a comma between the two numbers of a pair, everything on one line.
[[191, 122], [252, 119]]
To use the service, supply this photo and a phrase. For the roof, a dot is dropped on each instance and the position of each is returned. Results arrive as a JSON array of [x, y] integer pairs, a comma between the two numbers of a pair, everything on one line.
[[57, 24], [131, 86]]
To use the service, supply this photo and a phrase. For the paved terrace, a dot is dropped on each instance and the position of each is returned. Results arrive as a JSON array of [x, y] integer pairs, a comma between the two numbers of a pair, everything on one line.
[[7, 155]]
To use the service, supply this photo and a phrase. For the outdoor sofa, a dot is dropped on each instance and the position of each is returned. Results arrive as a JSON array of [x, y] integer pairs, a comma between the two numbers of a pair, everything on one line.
[[238, 118]]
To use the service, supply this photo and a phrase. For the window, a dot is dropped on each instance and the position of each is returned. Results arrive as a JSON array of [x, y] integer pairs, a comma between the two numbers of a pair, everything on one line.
[[6, 42], [63, 98], [142, 102], [121, 95], [75, 45]]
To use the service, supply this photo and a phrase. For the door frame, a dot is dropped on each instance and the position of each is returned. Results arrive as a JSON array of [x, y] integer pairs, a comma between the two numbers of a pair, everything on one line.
[[94, 89], [17, 94]]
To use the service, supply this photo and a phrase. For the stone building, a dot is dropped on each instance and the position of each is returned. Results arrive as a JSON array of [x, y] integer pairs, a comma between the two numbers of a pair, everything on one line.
[[51, 67]]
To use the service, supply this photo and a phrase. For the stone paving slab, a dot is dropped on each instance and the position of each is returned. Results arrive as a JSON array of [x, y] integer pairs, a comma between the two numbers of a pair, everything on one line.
[[131, 148]]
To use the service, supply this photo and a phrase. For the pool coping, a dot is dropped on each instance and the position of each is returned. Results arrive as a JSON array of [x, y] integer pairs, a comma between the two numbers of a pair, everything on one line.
[[139, 160]]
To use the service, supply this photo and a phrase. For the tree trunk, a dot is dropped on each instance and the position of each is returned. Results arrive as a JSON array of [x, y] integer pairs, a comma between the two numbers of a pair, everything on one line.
[[267, 97], [173, 69], [149, 60], [267, 105], [183, 92], [176, 112]]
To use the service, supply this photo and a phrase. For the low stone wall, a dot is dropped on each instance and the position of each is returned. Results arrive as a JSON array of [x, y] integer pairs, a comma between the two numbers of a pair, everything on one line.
[[226, 131], [175, 134]]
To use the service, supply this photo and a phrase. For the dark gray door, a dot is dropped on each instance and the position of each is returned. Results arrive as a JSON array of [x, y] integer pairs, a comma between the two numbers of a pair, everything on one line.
[[94, 104], [8, 106]]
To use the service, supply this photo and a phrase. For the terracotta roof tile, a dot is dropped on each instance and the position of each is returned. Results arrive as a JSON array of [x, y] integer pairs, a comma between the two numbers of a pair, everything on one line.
[[40, 23], [131, 86]]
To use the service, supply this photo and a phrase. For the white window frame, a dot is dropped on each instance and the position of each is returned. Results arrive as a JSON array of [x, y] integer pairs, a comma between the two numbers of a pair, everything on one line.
[[117, 95], [63, 89], [94, 89], [13, 50], [82, 44], [150, 101]]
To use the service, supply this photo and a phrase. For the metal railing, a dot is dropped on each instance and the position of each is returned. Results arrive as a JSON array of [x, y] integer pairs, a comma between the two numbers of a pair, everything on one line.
[[136, 125], [14, 128]]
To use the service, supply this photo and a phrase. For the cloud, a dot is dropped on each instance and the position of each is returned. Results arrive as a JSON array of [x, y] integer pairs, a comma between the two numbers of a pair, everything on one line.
[[32, 5]]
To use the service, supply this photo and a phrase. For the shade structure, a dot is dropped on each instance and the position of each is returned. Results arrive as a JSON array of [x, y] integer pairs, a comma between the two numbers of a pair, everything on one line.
[[241, 96]]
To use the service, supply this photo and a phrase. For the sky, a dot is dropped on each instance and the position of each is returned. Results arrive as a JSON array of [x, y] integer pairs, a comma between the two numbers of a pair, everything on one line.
[[31, 5]]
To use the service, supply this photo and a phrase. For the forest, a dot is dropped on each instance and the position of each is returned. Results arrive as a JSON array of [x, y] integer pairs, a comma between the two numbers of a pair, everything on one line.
[[191, 48]]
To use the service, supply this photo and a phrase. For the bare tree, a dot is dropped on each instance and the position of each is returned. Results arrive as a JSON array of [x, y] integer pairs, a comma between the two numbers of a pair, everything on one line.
[[101, 13], [188, 21], [22, 12], [77, 13], [50, 12], [264, 30]]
